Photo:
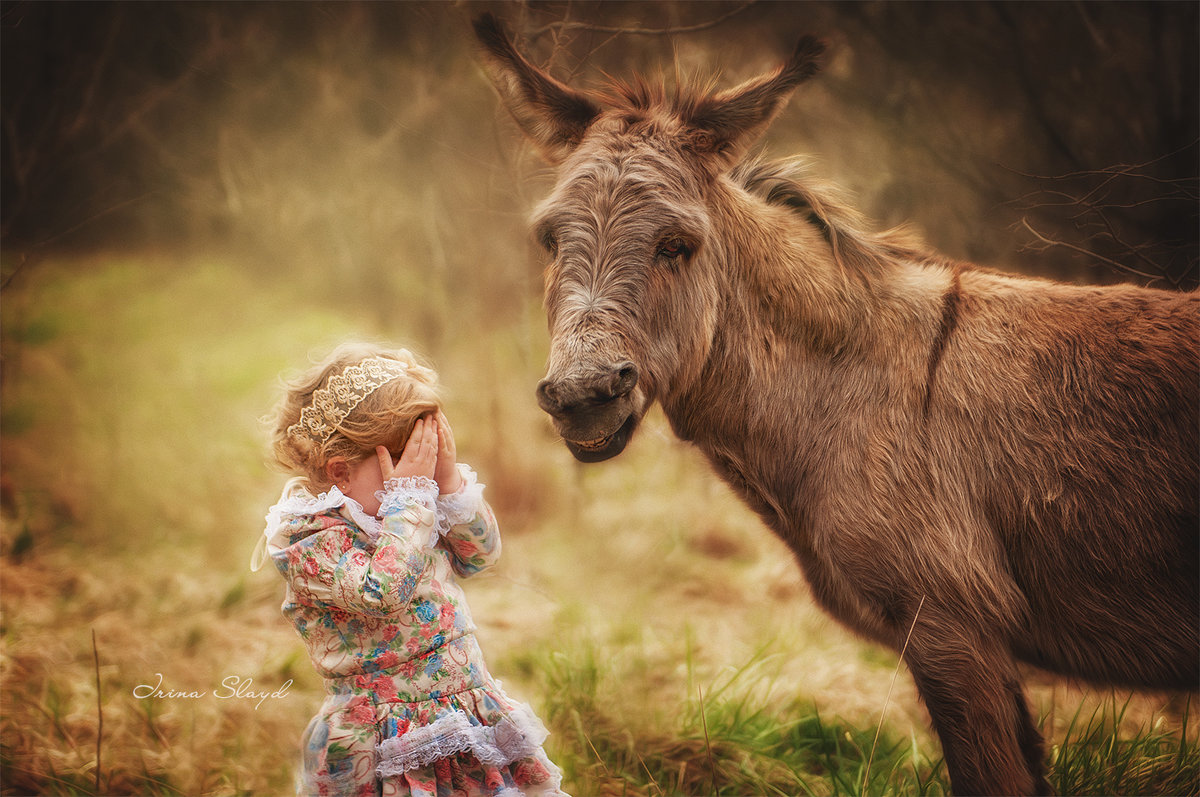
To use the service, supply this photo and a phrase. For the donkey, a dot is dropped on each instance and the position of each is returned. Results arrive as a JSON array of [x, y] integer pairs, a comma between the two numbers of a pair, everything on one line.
[[997, 469]]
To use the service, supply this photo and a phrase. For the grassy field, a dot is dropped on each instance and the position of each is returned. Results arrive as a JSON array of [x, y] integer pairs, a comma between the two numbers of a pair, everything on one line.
[[667, 639]]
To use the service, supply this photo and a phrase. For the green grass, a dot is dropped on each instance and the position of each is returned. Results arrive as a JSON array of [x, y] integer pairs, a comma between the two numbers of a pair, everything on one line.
[[1096, 757], [664, 636], [722, 737]]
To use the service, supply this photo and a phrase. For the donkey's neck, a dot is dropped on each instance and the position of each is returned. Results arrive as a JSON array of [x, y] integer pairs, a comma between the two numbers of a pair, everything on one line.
[[802, 342]]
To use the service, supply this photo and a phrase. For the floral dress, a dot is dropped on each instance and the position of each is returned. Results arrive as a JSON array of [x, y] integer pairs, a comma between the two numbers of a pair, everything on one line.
[[410, 708]]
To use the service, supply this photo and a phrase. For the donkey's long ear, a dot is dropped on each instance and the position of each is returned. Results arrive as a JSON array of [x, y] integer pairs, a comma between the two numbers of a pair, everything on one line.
[[552, 114], [726, 124]]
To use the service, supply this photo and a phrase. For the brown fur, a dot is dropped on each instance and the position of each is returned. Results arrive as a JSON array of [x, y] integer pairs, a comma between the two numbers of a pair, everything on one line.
[[1019, 454]]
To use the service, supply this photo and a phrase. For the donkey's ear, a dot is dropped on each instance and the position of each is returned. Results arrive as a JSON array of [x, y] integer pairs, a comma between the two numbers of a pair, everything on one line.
[[552, 114], [726, 124]]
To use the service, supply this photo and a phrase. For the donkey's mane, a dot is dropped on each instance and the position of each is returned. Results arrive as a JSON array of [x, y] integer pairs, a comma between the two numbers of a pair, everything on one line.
[[856, 246], [637, 96]]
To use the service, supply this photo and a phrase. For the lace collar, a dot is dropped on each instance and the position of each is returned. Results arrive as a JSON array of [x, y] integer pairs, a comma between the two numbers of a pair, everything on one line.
[[298, 502]]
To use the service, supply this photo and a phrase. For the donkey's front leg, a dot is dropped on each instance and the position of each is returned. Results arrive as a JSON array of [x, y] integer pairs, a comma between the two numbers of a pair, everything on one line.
[[972, 690]]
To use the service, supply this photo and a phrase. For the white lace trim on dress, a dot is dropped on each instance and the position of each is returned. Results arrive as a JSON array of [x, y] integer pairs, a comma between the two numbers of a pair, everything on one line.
[[406, 491], [297, 502], [397, 495], [305, 505], [460, 507], [517, 735], [415, 499]]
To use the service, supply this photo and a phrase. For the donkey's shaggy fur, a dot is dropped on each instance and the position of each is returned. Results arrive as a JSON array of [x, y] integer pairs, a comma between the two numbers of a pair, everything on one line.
[[1017, 457]]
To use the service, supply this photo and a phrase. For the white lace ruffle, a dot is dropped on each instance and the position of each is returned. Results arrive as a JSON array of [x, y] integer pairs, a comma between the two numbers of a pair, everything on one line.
[[519, 734], [421, 489], [415, 499], [399, 494], [298, 502], [304, 505], [460, 507], [368, 523], [295, 501]]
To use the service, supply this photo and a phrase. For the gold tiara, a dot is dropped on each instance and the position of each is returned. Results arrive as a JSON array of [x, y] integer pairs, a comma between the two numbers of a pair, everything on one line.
[[342, 393]]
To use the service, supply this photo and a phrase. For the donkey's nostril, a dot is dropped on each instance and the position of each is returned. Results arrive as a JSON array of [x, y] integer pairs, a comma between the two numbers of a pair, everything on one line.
[[546, 397], [626, 378]]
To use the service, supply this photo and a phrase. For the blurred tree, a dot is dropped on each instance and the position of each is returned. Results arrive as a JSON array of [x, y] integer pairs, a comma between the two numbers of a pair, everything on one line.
[[351, 134], [1096, 110], [83, 87]]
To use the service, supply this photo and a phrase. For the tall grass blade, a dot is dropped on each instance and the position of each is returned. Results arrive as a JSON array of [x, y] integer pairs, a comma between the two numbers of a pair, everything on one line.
[[712, 765], [888, 699], [99, 709]]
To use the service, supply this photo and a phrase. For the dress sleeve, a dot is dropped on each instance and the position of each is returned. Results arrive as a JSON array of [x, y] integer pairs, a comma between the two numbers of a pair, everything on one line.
[[328, 569], [468, 527]]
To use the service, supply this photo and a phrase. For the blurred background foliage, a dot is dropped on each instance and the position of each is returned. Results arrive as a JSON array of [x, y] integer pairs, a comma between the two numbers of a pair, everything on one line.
[[197, 196], [351, 135]]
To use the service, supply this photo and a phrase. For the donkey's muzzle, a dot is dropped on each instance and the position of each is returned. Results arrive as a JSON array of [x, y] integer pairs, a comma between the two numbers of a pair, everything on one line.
[[565, 397], [592, 411]]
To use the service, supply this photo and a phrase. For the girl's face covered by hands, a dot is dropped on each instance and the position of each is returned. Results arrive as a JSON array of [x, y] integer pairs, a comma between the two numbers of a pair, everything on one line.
[[446, 472], [429, 452]]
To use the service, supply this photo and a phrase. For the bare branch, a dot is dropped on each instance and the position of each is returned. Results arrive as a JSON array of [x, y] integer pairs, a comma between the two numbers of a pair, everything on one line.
[[1050, 242], [559, 27], [1118, 167]]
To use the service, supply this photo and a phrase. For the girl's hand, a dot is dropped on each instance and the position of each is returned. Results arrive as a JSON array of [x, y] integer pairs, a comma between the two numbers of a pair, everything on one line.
[[446, 472], [420, 456]]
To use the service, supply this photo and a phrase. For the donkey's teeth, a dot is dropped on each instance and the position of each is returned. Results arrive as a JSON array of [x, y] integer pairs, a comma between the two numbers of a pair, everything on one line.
[[593, 445]]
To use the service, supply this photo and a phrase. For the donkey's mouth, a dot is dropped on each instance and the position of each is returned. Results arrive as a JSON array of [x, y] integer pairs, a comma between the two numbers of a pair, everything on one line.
[[602, 448]]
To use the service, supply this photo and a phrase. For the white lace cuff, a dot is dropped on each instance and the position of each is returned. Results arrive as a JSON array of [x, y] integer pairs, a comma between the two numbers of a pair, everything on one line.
[[414, 498], [519, 734], [461, 506]]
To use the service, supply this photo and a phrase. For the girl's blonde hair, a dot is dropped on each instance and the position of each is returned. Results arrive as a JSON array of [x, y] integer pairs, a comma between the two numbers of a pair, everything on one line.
[[384, 417]]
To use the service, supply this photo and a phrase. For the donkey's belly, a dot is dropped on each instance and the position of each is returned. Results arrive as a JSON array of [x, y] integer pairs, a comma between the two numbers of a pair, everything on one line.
[[1133, 635]]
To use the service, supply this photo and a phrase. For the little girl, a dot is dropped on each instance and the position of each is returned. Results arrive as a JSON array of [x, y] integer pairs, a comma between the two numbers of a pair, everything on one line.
[[368, 537]]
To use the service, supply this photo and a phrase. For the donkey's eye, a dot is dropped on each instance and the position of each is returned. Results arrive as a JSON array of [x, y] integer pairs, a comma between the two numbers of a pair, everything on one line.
[[549, 242], [673, 248]]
